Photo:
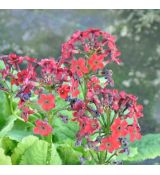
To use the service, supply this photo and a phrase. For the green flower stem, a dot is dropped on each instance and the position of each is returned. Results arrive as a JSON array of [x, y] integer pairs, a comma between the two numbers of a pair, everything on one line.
[[113, 118], [105, 157], [93, 156], [9, 99], [108, 161], [104, 121], [82, 90], [49, 151], [49, 139], [108, 120]]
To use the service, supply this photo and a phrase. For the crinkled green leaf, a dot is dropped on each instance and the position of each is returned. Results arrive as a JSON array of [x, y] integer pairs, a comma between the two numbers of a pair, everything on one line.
[[68, 154], [4, 160], [22, 146], [37, 154], [32, 151]]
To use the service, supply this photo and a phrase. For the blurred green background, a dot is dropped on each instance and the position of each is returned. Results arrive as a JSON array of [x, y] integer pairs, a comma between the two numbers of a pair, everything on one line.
[[40, 33]]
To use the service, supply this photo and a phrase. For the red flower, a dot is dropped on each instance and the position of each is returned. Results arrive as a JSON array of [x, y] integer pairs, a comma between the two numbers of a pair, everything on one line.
[[138, 110], [94, 82], [92, 126], [134, 132], [22, 76], [88, 126], [48, 65], [78, 66], [119, 127], [110, 144], [96, 62], [63, 91], [74, 88], [46, 101], [42, 128], [14, 59]]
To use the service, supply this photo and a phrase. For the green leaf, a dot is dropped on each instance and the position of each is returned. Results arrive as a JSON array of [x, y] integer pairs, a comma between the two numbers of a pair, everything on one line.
[[4, 160], [20, 130], [8, 126], [147, 148], [8, 145], [5, 111], [32, 151], [64, 131], [37, 154], [25, 144], [68, 154]]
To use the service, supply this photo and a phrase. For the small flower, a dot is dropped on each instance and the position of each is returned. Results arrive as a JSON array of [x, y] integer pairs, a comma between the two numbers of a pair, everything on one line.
[[134, 132], [64, 118], [119, 127], [42, 128], [48, 65], [88, 126], [138, 111], [78, 66], [46, 102], [110, 144], [63, 91], [74, 88], [96, 62], [14, 59]]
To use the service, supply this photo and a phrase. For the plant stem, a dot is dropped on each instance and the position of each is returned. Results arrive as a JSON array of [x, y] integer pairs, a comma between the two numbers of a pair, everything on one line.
[[49, 151], [108, 120], [102, 116], [9, 99], [108, 161], [49, 139], [93, 156]]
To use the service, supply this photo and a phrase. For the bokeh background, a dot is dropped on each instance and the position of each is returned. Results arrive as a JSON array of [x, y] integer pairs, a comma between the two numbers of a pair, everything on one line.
[[40, 33]]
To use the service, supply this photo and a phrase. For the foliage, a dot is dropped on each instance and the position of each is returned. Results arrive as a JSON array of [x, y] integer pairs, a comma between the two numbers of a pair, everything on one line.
[[147, 148]]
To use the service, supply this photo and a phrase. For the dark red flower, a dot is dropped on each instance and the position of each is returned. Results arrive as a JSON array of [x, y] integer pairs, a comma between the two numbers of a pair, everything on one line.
[[110, 144], [119, 127], [96, 62], [63, 91], [14, 59], [46, 101], [42, 128], [79, 67]]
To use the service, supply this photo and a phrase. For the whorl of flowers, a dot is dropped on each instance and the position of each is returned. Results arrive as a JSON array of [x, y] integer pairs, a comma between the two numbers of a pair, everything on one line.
[[107, 118]]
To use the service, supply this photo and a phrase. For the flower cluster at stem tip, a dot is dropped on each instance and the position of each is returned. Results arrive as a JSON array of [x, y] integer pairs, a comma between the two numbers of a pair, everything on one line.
[[81, 78]]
